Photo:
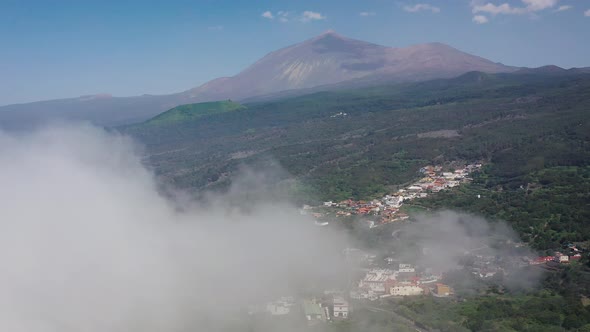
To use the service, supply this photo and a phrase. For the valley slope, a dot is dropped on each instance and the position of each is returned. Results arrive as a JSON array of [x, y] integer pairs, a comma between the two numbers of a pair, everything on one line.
[[359, 143], [531, 131]]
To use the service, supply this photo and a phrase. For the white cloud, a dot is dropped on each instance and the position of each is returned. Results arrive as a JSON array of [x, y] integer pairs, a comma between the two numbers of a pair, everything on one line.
[[283, 16], [536, 5], [286, 16], [587, 13], [529, 7], [490, 8], [366, 14], [309, 16], [86, 229], [421, 7], [564, 8], [268, 14], [480, 19]]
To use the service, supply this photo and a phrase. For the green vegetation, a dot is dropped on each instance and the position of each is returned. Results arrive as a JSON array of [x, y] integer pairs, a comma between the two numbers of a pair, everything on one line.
[[531, 131], [523, 122], [192, 111], [542, 311], [549, 207]]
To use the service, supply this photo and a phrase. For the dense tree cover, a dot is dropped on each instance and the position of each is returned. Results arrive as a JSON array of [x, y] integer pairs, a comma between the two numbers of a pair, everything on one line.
[[549, 207], [524, 122], [541, 311]]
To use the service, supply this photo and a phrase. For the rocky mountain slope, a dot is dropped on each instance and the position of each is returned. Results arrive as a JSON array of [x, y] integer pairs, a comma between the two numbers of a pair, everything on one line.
[[331, 58]]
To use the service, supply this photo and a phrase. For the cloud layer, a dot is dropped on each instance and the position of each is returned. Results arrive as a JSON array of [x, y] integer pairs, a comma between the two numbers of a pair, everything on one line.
[[285, 16], [443, 240], [564, 8], [480, 8], [88, 243], [308, 16], [529, 6], [421, 7], [480, 19]]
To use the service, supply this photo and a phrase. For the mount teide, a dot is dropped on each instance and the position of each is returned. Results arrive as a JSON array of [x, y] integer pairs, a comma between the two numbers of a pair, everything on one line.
[[331, 58], [328, 59]]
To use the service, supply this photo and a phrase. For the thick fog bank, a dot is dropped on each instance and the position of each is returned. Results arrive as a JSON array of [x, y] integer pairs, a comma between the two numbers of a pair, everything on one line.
[[88, 244], [450, 240]]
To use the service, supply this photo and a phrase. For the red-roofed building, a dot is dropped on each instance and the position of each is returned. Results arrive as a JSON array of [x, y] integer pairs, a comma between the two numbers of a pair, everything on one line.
[[541, 260]]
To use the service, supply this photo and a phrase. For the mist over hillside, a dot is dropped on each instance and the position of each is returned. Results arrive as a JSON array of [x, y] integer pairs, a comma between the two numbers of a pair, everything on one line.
[[240, 166], [89, 242]]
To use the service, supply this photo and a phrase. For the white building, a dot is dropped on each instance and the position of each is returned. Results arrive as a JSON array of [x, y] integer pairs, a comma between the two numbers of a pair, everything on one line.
[[453, 183], [277, 309], [406, 290], [406, 268], [375, 280], [394, 201], [359, 295], [562, 258], [340, 307], [280, 307]]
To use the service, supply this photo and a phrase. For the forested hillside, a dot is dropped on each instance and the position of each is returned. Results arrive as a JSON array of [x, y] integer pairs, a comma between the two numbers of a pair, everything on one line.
[[530, 131], [359, 143]]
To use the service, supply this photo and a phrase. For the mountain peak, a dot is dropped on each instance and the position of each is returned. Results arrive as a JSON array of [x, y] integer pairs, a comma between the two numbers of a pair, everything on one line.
[[330, 58], [329, 32], [328, 35]]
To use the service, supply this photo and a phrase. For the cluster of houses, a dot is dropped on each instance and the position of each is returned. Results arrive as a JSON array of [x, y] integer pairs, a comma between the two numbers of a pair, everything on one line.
[[335, 307], [339, 115], [331, 306], [405, 281], [387, 209], [280, 307], [569, 254]]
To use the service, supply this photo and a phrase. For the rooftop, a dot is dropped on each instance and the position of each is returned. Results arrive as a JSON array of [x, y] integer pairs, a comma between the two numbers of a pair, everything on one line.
[[312, 308]]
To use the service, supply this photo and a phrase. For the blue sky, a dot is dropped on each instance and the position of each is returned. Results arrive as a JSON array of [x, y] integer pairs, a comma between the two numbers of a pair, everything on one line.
[[57, 49]]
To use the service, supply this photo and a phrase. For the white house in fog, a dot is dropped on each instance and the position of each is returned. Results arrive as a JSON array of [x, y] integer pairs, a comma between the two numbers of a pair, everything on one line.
[[408, 268], [340, 307]]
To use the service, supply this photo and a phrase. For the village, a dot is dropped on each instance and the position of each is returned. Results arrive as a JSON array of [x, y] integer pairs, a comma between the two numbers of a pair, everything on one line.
[[388, 209], [390, 279], [378, 278]]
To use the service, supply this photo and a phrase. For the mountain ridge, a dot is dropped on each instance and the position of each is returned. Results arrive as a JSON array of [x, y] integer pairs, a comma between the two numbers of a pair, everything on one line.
[[331, 58], [326, 62]]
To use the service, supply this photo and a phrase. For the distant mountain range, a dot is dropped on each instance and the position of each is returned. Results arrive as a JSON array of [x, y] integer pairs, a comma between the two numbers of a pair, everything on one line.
[[328, 61]]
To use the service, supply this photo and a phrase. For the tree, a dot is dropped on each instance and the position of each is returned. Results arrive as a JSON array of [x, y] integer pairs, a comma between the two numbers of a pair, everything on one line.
[[572, 322]]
